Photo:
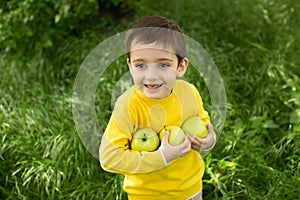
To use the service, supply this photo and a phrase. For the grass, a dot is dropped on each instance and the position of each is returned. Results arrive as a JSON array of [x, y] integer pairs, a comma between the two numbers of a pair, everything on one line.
[[255, 45]]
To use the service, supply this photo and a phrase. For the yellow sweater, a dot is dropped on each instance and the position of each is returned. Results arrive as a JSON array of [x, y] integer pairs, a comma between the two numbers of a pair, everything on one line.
[[147, 176]]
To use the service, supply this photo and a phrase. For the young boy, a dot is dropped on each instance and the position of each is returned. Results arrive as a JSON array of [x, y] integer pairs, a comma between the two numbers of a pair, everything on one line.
[[156, 57]]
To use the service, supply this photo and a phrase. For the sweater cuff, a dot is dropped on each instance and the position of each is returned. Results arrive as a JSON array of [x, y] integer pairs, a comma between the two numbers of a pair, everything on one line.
[[163, 156]]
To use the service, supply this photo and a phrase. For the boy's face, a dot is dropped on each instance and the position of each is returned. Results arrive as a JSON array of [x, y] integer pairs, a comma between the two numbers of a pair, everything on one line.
[[154, 69]]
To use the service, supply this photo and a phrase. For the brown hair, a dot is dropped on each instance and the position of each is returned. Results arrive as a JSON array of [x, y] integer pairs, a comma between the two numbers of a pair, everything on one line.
[[157, 29]]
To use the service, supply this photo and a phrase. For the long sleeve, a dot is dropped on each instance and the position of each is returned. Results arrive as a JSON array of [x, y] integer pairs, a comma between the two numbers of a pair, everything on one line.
[[115, 153], [202, 113]]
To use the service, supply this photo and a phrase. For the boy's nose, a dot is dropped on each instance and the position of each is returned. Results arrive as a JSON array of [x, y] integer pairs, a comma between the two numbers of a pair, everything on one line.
[[152, 73]]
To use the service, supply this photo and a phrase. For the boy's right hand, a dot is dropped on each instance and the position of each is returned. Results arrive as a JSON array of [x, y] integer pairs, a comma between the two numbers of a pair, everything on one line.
[[173, 152]]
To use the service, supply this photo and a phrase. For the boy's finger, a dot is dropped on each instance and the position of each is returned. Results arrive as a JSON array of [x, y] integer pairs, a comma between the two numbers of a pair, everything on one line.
[[198, 140], [196, 147], [166, 138], [186, 144], [190, 138], [210, 127]]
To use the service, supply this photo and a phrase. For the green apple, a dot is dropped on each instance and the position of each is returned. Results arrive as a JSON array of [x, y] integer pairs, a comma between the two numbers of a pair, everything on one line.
[[176, 135], [195, 126], [145, 139]]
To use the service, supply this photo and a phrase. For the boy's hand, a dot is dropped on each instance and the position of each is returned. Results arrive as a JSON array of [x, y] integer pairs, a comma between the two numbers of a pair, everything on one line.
[[173, 152], [203, 144]]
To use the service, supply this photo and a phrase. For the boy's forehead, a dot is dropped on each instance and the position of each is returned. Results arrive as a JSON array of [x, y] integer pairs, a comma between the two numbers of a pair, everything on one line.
[[139, 45]]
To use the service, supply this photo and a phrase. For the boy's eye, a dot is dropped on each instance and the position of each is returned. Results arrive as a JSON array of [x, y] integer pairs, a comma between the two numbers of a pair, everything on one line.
[[141, 66], [163, 65]]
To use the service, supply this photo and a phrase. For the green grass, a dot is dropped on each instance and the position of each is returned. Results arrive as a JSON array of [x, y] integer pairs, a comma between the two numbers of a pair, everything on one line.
[[256, 46]]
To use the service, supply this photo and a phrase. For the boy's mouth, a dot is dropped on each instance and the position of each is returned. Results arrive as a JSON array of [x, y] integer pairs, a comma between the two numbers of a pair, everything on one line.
[[152, 86]]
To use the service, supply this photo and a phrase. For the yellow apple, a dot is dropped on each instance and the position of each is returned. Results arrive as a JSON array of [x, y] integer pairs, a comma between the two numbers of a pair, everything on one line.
[[195, 126], [176, 135], [145, 139]]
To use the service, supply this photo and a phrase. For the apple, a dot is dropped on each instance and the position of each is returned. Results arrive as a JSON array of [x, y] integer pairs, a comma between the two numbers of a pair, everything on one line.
[[195, 126], [176, 135], [145, 139]]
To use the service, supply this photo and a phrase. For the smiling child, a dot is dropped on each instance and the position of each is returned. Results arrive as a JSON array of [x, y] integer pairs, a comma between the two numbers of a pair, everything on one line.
[[156, 58]]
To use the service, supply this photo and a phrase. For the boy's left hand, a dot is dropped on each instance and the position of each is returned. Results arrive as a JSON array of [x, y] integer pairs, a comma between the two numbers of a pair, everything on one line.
[[203, 143]]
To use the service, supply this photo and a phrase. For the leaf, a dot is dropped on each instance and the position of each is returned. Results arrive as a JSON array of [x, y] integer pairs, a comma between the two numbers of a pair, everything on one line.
[[270, 124], [57, 18], [295, 116]]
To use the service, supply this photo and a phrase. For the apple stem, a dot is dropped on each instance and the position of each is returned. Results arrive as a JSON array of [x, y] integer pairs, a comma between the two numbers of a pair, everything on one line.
[[144, 138]]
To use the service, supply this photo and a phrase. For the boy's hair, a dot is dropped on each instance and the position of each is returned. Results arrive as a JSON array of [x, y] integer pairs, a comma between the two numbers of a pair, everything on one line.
[[160, 30]]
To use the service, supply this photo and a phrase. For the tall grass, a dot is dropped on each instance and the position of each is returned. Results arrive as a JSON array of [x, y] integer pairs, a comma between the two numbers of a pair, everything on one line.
[[41, 154], [256, 46]]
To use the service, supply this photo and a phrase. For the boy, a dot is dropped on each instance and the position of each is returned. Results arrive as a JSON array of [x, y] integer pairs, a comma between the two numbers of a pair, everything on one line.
[[156, 57]]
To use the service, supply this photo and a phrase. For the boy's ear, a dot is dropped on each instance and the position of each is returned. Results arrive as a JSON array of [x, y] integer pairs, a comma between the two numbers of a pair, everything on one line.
[[182, 67], [129, 63]]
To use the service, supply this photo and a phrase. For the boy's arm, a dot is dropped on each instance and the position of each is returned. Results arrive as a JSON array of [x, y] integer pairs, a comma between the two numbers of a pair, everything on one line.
[[201, 111], [116, 155], [207, 143]]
